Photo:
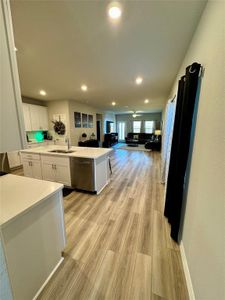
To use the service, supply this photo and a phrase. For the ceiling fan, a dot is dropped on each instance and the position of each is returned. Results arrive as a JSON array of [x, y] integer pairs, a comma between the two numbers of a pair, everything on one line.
[[135, 114]]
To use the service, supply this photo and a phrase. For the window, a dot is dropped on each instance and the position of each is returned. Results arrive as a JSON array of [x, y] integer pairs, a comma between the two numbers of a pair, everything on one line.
[[111, 127], [149, 126], [121, 131], [136, 126]]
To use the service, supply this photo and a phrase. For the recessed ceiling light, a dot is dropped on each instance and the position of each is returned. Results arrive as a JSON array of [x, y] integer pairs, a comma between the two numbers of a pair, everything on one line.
[[84, 87], [15, 49], [139, 80], [42, 93], [146, 101], [114, 11], [113, 103]]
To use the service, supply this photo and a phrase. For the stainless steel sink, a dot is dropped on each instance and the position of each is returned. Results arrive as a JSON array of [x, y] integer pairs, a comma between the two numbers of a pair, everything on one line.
[[61, 151]]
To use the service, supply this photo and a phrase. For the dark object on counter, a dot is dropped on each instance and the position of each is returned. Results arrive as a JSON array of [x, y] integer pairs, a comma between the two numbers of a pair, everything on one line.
[[27, 138], [110, 139], [89, 143]]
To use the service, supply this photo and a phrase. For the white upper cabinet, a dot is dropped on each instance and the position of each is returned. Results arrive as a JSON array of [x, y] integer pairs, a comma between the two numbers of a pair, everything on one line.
[[26, 115], [35, 117], [43, 117]]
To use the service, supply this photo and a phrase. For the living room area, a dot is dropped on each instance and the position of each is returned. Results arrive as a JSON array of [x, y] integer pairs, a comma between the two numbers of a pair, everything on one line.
[[134, 131]]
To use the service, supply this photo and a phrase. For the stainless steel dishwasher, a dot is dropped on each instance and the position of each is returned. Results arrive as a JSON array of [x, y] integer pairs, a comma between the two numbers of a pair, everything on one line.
[[82, 173]]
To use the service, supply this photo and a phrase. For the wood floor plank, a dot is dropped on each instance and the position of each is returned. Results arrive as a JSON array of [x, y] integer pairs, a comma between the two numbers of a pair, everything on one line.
[[141, 283]]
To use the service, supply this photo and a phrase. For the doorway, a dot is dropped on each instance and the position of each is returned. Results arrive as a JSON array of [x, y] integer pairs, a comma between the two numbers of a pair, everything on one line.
[[98, 125], [121, 131]]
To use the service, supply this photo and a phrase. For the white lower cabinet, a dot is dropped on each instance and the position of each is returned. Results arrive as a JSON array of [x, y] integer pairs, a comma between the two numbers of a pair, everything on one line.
[[32, 165], [56, 169]]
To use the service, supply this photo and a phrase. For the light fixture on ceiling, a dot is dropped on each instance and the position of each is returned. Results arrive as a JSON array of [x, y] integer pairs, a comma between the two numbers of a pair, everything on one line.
[[84, 88], [42, 93], [135, 114], [139, 80], [15, 49], [146, 101], [113, 103], [114, 10]]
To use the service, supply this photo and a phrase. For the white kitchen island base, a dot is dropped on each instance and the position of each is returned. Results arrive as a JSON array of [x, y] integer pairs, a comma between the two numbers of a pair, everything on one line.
[[32, 232], [82, 168]]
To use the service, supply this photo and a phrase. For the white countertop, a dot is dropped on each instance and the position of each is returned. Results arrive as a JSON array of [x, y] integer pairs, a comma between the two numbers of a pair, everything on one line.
[[18, 194], [85, 152]]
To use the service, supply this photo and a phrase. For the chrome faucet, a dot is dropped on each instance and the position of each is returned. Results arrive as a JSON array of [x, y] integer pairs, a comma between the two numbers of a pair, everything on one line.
[[67, 140]]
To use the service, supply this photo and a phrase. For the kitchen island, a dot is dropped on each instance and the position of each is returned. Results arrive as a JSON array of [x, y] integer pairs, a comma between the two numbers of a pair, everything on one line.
[[81, 168], [32, 234]]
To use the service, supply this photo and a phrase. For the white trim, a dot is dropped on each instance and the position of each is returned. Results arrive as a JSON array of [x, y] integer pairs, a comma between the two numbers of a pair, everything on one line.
[[47, 280], [187, 272]]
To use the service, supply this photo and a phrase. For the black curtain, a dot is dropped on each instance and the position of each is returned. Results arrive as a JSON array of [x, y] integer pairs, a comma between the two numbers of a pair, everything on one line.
[[186, 96]]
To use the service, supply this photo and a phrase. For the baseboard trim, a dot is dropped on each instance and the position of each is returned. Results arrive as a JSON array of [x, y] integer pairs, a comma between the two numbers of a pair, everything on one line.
[[187, 273], [49, 277]]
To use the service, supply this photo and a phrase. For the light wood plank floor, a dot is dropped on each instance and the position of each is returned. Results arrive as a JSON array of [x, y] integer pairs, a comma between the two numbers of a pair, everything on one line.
[[118, 244]]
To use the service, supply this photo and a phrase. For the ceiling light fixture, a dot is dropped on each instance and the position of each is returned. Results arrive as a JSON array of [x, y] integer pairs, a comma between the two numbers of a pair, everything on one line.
[[146, 101], [139, 80], [42, 93], [15, 49], [113, 103], [84, 87], [114, 11], [134, 115]]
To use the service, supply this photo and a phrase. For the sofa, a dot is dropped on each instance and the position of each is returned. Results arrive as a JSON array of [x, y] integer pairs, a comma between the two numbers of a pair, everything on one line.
[[110, 139], [139, 138]]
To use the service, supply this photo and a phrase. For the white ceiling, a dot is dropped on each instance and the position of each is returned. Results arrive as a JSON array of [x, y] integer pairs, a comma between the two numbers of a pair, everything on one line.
[[63, 44]]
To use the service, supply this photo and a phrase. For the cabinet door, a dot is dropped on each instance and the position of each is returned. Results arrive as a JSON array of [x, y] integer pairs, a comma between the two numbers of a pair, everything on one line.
[[36, 169], [62, 175], [26, 115], [48, 171], [34, 117], [43, 117], [27, 168]]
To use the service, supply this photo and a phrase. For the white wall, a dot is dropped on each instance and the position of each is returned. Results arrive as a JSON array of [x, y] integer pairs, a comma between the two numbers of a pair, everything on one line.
[[75, 133], [12, 130], [108, 116], [204, 225], [56, 108]]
